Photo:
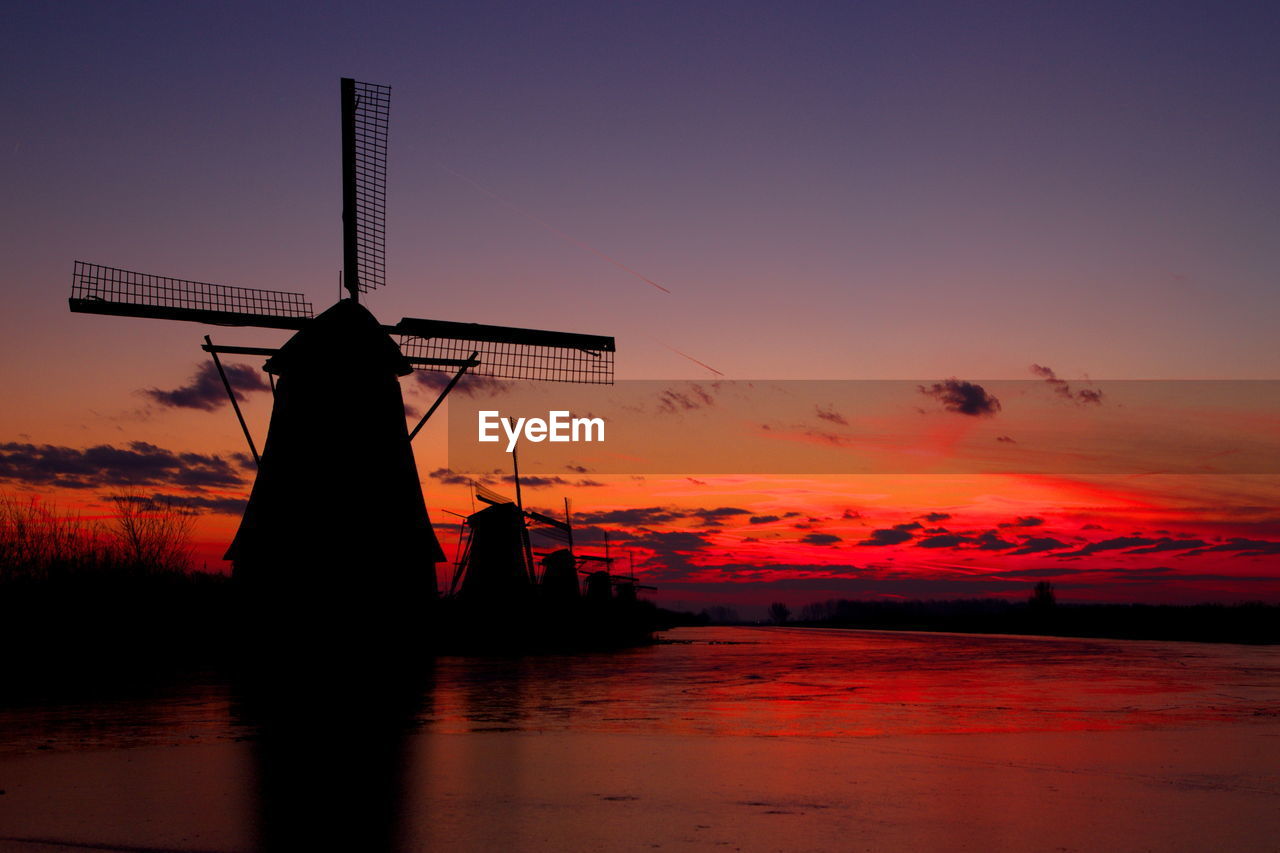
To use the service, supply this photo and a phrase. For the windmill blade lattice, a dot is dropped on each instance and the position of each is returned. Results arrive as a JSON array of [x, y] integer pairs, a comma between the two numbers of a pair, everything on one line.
[[98, 289], [511, 353], [366, 111]]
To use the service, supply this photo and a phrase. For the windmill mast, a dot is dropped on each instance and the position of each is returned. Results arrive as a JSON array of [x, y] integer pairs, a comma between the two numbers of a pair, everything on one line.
[[350, 264]]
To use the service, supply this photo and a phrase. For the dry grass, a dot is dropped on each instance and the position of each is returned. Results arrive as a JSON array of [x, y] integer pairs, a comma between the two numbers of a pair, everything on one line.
[[40, 542]]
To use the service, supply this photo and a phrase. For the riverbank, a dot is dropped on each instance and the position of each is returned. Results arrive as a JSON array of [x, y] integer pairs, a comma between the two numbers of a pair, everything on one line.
[[1250, 623]]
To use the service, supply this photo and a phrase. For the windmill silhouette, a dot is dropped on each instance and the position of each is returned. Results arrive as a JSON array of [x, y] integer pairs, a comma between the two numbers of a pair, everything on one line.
[[337, 505]]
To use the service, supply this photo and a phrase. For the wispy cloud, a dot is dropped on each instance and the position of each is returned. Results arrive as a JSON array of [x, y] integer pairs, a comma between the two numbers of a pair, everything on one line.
[[1063, 389]]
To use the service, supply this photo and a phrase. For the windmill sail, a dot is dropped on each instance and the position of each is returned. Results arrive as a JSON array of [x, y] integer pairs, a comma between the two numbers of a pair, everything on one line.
[[97, 289], [509, 353], [365, 116]]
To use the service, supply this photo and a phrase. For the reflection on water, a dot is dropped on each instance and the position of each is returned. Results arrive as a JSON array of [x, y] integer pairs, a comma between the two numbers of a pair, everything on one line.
[[329, 750], [728, 681], [736, 681], [517, 748]]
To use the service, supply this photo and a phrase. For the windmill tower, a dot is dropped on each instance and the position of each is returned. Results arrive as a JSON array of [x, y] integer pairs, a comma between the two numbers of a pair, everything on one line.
[[337, 506]]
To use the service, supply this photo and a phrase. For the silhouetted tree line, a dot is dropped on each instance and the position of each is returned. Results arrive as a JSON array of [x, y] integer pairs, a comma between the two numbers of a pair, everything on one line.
[[1041, 613], [721, 616]]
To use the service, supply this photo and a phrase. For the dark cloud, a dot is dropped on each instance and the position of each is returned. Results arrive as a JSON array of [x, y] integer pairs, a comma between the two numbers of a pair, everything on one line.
[[1114, 544], [887, 536], [1006, 439], [671, 541], [219, 505], [469, 385], [910, 525], [1169, 544], [830, 415], [1039, 544], [944, 540], [713, 517], [820, 539], [137, 464], [1089, 395], [1242, 547], [578, 469], [205, 390], [449, 478], [633, 516], [1024, 521], [536, 482], [965, 398], [1063, 389], [851, 514], [1047, 374], [991, 541], [764, 519], [533, 481], [936, 516], [643, 516]]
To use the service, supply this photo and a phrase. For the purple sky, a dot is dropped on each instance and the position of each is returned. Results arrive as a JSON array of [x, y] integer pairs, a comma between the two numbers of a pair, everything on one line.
[[829, 189]]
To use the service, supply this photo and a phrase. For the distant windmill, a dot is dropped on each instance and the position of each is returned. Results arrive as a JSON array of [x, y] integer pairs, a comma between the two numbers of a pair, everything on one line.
[[337, 502]]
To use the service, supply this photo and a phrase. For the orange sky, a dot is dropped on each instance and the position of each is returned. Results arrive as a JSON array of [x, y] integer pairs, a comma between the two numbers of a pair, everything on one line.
[[747, 539]]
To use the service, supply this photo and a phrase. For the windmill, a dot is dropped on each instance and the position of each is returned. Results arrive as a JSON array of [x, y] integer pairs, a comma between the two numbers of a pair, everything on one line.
[[336, 504]]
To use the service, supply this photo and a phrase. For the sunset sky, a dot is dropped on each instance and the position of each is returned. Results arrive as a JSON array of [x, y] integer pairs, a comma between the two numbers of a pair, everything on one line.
[[835, 191]]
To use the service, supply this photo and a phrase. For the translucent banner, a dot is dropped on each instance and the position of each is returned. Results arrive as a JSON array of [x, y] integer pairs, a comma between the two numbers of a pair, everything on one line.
[[946, 426]]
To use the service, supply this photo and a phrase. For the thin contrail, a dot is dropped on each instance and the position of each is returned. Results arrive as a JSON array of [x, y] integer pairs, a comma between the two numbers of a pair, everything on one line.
[[691, 358], [554, 230]]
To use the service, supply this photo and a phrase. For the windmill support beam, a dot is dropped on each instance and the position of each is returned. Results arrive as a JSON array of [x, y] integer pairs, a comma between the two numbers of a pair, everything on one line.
[[214, 349], [231, 395], [465, 365], [270, 351]]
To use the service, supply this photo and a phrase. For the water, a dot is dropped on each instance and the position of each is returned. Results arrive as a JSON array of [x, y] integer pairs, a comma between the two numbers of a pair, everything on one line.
[[741, 681], [748, 681], [732, 738]]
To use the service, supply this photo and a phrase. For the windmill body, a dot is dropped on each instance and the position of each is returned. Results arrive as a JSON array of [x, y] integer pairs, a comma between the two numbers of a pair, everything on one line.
[[337, 492]]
